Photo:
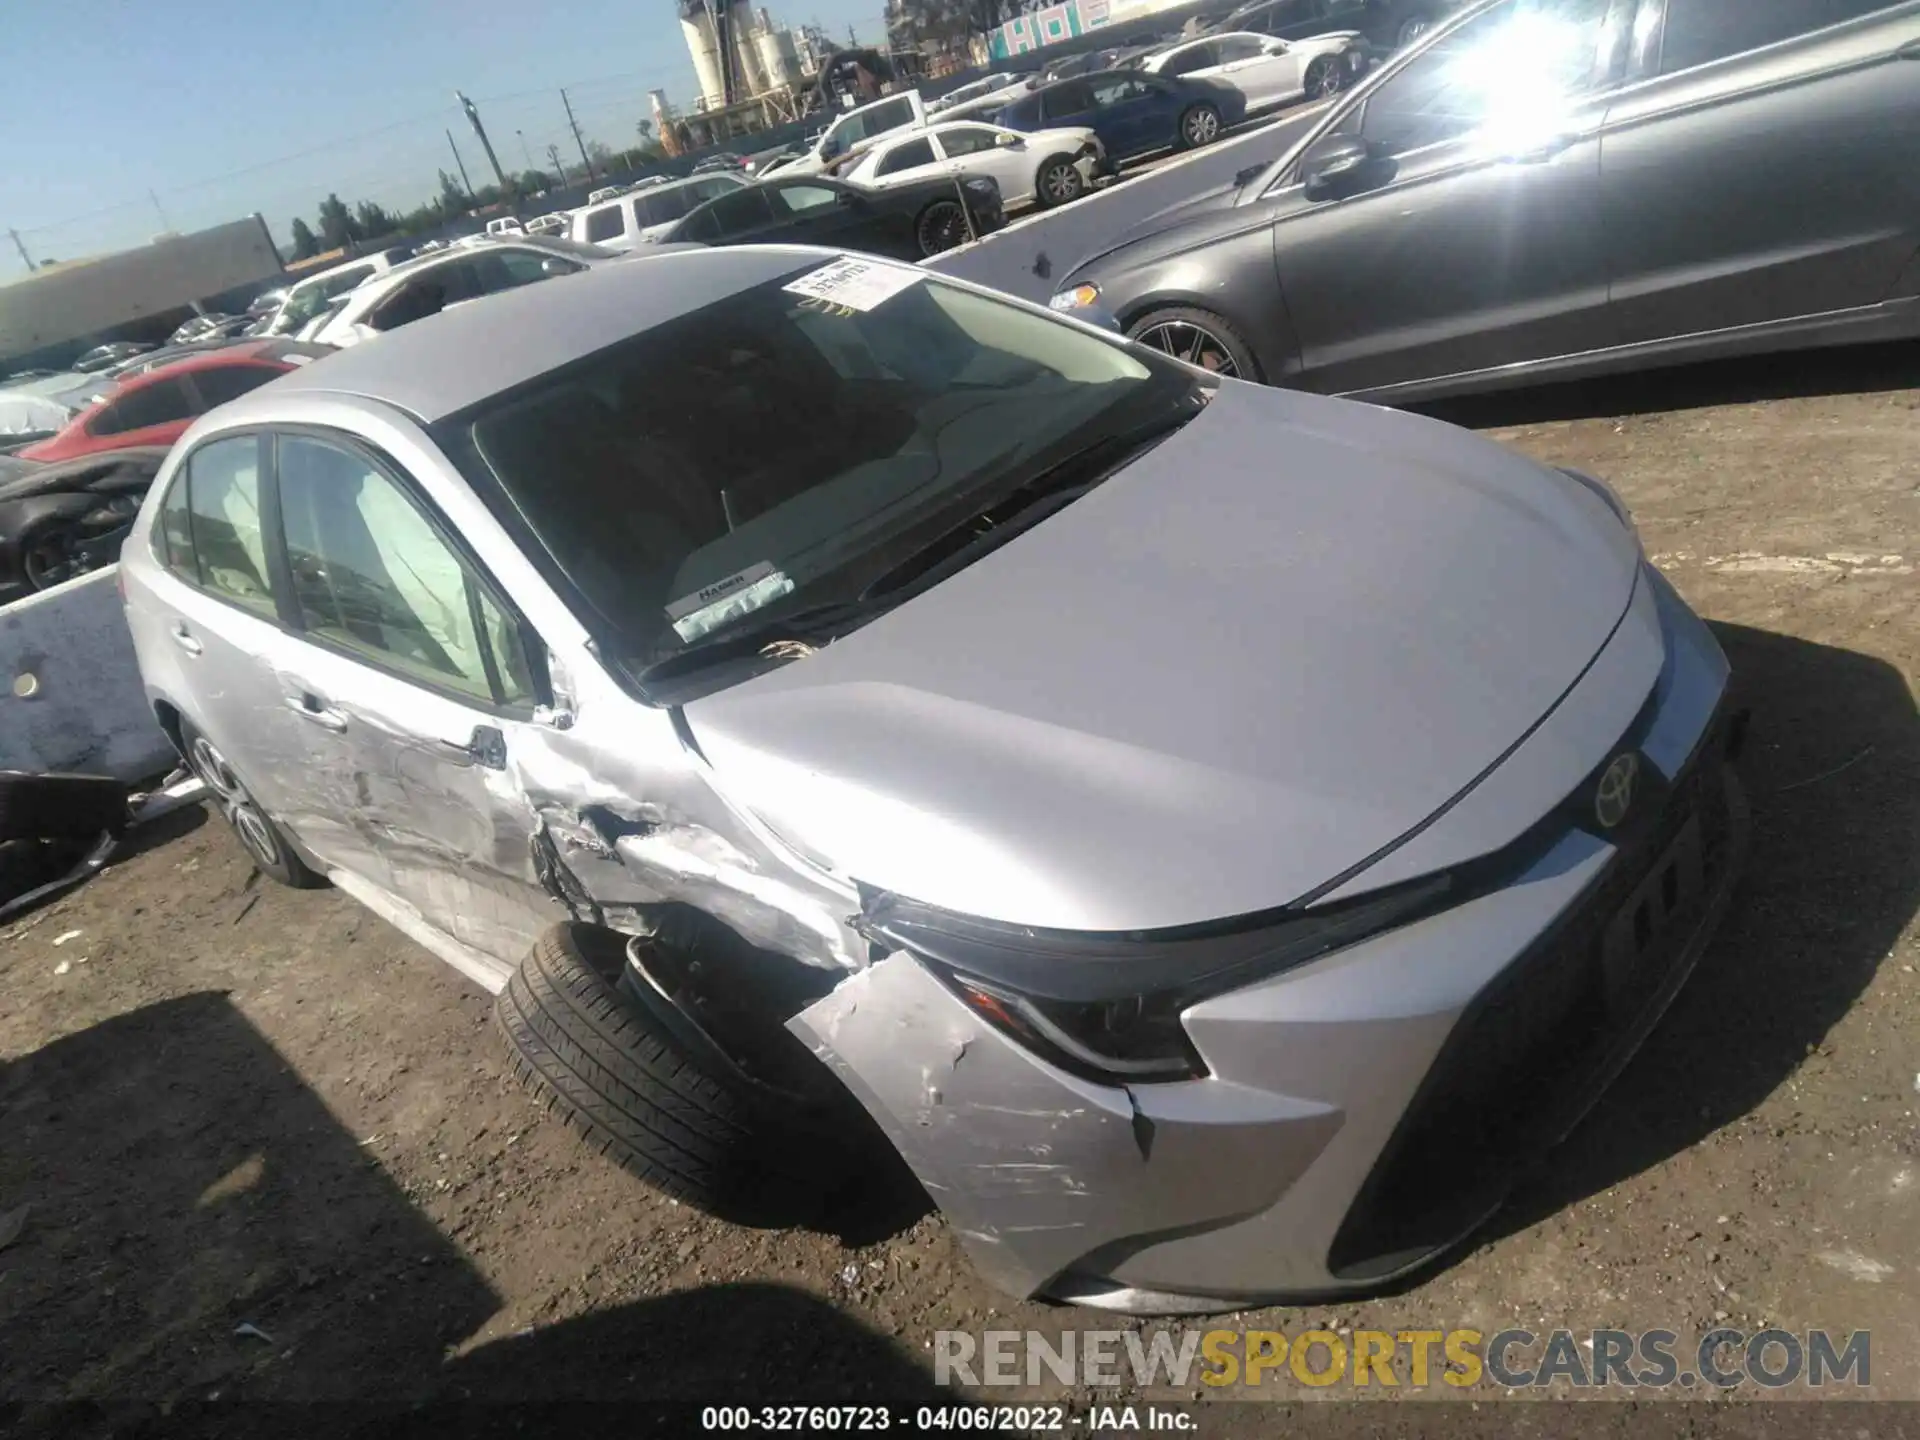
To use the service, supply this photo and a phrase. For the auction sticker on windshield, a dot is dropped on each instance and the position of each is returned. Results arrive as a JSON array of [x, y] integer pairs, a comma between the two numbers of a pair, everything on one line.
[[712, 606], [856, 284]]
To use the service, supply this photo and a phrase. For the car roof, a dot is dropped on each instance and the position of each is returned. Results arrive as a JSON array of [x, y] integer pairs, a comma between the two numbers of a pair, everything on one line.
[[248, 353], [446, 362]]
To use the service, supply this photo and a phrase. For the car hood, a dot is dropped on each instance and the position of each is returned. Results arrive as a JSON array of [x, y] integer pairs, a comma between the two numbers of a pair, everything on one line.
[[1253, 659], [1194, 222]]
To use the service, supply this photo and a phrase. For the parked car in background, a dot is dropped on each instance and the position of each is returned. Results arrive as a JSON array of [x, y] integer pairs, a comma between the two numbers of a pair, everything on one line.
[[1133, 113], [909, 221], [156, 408], [307, 300], [724, 160], [211, 327], [105, 357], [552, 223], [1518, 197], [433, 283], [1111, 57], [1265, 70], [603, 194], [851, 132], [61, 519], [506, 225], [793, 680], [1386, 25], [1001, 88], [1052, 166], [630, 220]]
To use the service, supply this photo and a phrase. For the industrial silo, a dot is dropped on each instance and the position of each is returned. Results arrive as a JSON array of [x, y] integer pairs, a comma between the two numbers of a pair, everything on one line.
[[697, 26], [779, 57]]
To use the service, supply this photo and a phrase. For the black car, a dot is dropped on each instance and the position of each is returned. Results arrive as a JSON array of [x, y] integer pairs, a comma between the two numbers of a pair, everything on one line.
[[1731, 179], [65, 518], [104, 357], [1387, 24], [907, 222]]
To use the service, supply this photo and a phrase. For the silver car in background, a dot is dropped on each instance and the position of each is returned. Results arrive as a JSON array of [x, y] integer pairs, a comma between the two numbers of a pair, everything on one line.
[[1218, 835]]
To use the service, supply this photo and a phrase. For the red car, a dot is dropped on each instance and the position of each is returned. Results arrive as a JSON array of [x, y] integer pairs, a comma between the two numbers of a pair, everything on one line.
[[155, 408]]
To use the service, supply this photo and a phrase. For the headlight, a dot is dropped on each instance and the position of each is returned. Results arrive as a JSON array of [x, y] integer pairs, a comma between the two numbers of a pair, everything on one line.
[[1078, 298], [1107, 1006]]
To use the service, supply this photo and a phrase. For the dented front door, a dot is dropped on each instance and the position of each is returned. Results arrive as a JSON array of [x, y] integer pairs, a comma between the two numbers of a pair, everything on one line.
[[413, 679]]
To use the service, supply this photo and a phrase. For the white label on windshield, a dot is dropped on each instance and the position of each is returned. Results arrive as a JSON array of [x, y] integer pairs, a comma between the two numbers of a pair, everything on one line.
[[295, 359], [856, 284], [712, 606]]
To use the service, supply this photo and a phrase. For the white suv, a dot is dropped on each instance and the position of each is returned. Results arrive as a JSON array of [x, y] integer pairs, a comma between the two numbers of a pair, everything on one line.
[[634, 219]]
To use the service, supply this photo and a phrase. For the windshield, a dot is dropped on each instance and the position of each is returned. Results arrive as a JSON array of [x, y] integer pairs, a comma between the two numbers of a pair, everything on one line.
[[307, 299], [668, 203], [772, 452]]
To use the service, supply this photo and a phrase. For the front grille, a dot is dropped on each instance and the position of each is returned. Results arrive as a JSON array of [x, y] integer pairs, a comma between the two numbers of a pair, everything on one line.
[[1522, 1063]]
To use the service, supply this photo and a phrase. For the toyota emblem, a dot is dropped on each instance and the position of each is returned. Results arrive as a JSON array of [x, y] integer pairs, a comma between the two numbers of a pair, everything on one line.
[[1613, 796]]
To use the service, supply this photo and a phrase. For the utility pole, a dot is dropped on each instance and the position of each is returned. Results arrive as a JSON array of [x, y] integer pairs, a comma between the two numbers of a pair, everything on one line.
[[506, 190], [559, 170], [158, 211], [21, 246], [575, 124], [466, 184], [525, 153]]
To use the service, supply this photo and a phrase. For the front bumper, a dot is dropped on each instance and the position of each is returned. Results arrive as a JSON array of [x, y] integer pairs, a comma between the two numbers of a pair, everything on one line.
[[1363, 1113]]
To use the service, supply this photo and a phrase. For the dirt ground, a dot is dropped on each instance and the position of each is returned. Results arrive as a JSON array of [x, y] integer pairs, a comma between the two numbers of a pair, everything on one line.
[[231, 1105]]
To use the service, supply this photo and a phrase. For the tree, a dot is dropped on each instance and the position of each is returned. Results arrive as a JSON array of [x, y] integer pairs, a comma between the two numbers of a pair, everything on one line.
[[453, 196], [336, 224], [645, 127], [532, 182], [305, 243], [600, 154], [372, 220]]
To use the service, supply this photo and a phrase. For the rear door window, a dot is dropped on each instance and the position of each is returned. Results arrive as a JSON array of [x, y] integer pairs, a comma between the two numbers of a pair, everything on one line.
[[911, 155], [1194, 57], [230, 382], [160, 403], [1070, 97], [739, 212], [966, 140]]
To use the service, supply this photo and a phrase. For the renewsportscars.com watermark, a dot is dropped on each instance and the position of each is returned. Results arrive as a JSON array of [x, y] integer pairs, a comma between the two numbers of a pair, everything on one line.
[[1407, 1359]]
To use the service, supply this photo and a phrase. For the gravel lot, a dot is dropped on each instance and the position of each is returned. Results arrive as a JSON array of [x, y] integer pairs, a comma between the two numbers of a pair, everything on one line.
[[230, 1104]]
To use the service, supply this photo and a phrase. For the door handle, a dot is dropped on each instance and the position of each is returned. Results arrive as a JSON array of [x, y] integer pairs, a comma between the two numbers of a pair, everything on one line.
[[314, 710], [184, 638], [487, 748]]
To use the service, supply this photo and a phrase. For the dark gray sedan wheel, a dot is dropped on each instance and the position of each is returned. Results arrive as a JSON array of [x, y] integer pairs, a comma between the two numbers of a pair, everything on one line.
[[1413, 28], [1059, 181], [1199, 125], [941, 226], [1200, 338]]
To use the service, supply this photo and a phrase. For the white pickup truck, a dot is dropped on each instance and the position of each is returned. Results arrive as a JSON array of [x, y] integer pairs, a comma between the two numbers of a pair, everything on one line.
[[853, 132]]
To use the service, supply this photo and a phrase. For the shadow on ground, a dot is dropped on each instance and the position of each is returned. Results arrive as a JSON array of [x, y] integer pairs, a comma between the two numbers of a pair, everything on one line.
[[1833, 878], [1852, 370], [201, 1227]]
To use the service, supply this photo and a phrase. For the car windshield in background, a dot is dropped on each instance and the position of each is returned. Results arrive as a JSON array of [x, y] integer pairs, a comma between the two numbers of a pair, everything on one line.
[[771, 452], [665, 205]]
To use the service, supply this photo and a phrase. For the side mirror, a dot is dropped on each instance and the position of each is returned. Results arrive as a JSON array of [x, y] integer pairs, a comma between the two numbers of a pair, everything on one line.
[[1334, 166], [1276, 47], [847, 197], [1009, 142], [555, 267]]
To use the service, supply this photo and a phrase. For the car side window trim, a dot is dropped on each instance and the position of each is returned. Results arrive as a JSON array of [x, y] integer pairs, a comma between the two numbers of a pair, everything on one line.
[[530, 642]]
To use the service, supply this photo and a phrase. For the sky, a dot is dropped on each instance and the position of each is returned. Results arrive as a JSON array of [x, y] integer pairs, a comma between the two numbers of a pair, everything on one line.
[[225, 107]]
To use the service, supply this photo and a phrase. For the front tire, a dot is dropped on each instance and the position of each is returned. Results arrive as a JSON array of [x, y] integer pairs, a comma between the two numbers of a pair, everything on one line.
[[652, 1094], [1058, 182], [265, 843], [1412, 28], [1199, 125], [1200, 338], [941, 226], [1325, 77]]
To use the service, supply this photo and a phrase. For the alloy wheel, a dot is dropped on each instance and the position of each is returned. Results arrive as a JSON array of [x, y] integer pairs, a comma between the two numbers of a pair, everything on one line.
[[246, 818], [1192, 343], [1201, 126], [941, 228], [1059, 183], [1324, 79], [48, 560]]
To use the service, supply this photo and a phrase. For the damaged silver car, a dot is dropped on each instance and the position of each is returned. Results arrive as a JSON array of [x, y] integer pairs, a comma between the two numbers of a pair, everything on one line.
[[1218, 836]]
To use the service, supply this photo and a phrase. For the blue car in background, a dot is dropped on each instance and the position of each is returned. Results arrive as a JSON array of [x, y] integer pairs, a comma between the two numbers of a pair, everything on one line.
[[1132, 112]]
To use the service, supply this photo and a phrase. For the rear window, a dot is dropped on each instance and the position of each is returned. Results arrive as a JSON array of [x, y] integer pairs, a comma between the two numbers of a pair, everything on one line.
[[230, 382], [667, 203], [156, 404]]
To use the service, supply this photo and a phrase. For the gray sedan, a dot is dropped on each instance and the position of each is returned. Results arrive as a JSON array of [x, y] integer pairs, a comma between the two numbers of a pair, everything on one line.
[[1215, 835], [1549, 188]]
